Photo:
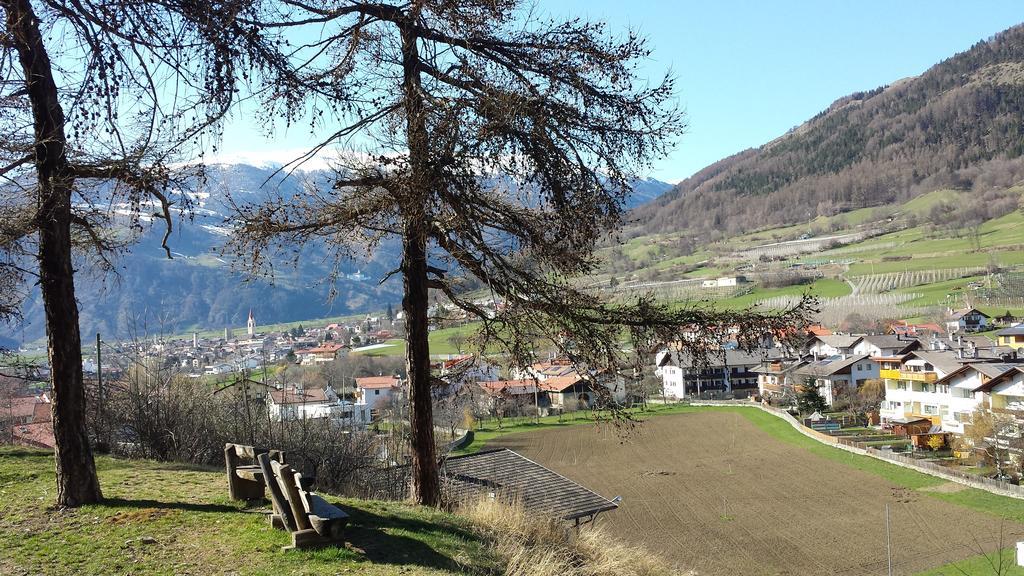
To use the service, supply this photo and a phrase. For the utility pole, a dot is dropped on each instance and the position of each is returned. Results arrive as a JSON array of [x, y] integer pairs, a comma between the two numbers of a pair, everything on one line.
[[99, 387], [888, 539], [536, 400]]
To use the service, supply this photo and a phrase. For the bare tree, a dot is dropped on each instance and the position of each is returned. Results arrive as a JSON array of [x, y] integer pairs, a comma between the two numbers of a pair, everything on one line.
[[99, 95], [501, 145]]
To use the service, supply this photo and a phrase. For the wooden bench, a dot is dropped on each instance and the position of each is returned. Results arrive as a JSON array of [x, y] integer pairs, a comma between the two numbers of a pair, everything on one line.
[[245, 478], [312, 521]]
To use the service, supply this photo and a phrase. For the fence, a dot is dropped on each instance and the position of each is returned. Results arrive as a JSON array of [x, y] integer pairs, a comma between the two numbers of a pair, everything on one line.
[[979, 482]]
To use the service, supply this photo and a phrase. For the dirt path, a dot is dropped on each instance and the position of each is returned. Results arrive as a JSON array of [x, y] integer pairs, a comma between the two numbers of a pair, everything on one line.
[[714, 493]]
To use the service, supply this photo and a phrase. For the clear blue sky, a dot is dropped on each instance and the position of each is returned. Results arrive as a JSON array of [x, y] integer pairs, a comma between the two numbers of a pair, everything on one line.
[[750, 70]]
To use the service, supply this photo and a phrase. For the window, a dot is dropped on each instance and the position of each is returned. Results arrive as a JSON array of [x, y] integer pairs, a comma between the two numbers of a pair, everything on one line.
[[376, 392], [943, 389], [859, 368], [930, 410], [901, 385]]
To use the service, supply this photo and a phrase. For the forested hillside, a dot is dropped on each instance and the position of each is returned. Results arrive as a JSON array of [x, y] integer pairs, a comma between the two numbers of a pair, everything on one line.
[[958, 125]]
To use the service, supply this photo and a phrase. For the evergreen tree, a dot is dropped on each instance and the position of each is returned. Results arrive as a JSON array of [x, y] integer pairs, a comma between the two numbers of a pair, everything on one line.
[[809, 399]]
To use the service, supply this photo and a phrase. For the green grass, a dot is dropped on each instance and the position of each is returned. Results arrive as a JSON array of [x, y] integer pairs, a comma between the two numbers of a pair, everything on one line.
[[486, 431], [980, 565], [824, 288], [199, 531], [440, 342]]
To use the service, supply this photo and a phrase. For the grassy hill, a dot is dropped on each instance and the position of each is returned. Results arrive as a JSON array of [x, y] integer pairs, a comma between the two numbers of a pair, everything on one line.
[[910, 260], [161, 518], [164, 518]]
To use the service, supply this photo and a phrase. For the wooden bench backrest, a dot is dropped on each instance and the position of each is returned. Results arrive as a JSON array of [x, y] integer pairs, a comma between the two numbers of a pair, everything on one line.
[[277, 498], [285, 477], [250, 452]]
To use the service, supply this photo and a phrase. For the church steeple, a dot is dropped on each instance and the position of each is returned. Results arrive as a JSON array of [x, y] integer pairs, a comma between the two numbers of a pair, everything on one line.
[[251, 324]]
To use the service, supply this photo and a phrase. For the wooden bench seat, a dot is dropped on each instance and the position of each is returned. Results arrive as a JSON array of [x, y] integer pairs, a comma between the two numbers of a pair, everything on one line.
[[245, 480], [312, 521], [251, 472]]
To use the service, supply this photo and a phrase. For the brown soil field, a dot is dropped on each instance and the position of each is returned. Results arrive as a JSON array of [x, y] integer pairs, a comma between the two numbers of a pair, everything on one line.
[[714, 493]]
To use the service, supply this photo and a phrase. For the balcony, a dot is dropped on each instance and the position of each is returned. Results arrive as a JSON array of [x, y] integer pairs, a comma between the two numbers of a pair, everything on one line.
[[918, 376], [889, 374]]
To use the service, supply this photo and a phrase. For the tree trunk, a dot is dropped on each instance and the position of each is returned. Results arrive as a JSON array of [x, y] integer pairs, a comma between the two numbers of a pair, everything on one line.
[[77, 483], [426, 485]]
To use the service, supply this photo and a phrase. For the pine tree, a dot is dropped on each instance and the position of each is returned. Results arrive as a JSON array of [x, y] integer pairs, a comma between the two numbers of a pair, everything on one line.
[[809, 399]]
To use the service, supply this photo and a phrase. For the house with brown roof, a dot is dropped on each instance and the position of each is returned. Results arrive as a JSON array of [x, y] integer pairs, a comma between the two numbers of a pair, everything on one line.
[[508, 397]]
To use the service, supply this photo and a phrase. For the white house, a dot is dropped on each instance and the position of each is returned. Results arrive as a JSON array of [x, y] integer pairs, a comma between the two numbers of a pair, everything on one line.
[[1006, 391], [298, 403], [777, 377], [967, 320], [728, 371], [884, 345], [832, 345], [838, 375], [918, 385], [955, 397], [328, 352], [462, 369], [376, 391], [221, 368]]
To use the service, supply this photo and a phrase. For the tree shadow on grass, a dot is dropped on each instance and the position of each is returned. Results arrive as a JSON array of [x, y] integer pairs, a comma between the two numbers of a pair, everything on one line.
[[183, 506], [368, 533], [25, 453]]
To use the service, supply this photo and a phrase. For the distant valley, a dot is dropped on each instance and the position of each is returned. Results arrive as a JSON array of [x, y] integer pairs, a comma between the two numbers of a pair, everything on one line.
[[199, 290]]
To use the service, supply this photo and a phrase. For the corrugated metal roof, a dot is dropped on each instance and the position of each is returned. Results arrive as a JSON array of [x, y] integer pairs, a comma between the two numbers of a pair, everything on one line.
[[513, 477]]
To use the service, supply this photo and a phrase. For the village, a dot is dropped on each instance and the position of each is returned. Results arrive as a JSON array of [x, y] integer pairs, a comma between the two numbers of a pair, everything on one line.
[[934, 390]]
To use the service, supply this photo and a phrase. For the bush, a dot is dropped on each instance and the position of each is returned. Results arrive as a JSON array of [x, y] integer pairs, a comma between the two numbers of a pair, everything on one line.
[[167, 417]]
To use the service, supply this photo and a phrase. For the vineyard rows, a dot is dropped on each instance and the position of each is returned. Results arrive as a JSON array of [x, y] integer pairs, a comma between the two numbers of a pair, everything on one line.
[[833, 311], [794, 247], [878, 283]]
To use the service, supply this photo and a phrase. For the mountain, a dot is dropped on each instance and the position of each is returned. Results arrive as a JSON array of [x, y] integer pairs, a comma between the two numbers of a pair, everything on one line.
[[197, 288], [959, 125]]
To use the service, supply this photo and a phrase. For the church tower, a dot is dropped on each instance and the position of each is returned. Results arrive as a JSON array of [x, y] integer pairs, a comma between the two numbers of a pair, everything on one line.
[[251, 324]]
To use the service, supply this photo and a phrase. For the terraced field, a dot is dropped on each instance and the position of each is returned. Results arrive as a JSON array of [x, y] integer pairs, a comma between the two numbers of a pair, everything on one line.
[[716, 493]]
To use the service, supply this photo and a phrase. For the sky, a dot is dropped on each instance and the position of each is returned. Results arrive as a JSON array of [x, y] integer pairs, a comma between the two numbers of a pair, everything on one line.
[[748, 71]]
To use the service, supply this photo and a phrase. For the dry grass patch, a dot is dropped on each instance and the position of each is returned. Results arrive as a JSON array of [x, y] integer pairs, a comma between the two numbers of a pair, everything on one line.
[[536, 546]]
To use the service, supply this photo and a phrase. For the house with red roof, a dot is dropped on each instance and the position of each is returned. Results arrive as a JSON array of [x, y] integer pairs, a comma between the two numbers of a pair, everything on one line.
[[376, 391], [327, 352]]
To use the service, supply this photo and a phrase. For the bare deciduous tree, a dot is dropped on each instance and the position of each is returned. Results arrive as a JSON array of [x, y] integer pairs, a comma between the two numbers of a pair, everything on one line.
[[501, 145], [98, 97]]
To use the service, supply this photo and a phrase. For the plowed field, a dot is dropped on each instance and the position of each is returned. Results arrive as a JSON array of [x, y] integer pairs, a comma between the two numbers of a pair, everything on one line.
[[713, 492]]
